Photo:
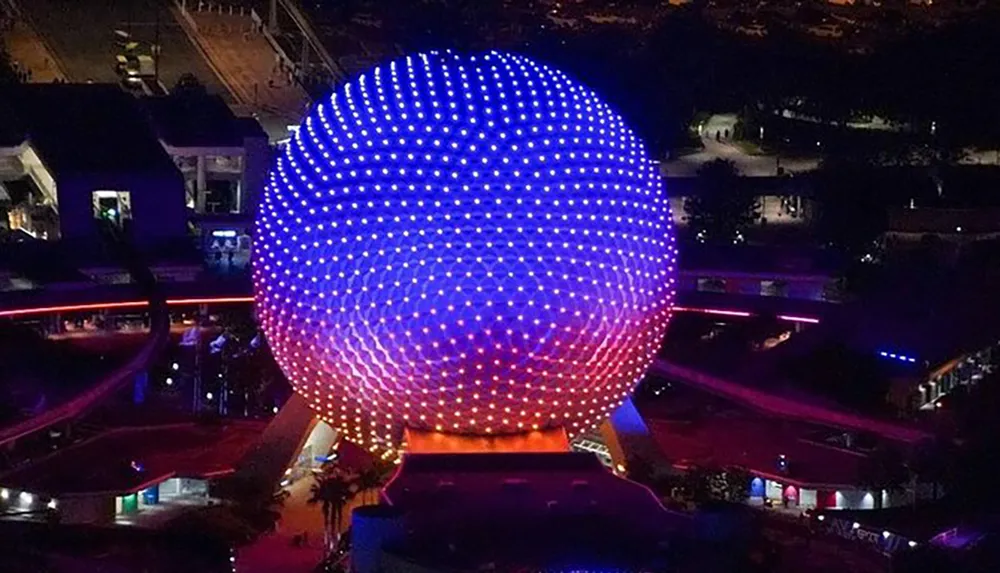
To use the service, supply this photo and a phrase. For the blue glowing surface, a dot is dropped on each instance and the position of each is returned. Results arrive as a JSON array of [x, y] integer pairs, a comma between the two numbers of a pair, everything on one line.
[[467, 243]]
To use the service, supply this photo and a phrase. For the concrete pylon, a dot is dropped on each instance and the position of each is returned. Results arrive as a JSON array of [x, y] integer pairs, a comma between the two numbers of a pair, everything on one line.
[[279, 445], [272, 18], [625, 434]]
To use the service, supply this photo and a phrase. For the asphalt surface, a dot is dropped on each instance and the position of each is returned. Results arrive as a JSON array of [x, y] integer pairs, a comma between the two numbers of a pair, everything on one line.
[[81, 34]]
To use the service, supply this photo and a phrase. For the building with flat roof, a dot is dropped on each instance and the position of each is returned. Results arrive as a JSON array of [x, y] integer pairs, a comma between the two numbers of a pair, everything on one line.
[[79, 153], [514, 512], [933, 331], [223, 160], [120, 475], [165, 169], [779, 272], [34, 546]]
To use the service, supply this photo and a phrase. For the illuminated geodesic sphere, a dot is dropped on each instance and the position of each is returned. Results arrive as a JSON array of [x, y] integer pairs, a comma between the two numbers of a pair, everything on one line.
[[470, 244]]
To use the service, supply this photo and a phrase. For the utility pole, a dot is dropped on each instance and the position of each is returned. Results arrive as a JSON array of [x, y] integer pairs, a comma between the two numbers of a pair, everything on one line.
[[272, 24], [156, 44], [200, 322]]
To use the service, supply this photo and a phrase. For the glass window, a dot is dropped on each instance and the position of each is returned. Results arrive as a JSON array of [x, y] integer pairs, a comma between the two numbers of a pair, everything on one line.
[[114, 206]]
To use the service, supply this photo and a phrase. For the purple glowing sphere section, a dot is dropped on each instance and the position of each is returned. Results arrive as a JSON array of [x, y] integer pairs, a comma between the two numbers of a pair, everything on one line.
[[469, 244]]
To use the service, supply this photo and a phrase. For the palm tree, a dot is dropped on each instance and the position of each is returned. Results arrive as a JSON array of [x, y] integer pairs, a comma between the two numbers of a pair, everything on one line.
[[248, 510], [332, 490], [722, 209], [258, 503], [372, 478]]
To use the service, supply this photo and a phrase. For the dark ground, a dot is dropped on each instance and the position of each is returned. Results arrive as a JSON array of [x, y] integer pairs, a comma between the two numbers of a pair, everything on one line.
[[81, 33]]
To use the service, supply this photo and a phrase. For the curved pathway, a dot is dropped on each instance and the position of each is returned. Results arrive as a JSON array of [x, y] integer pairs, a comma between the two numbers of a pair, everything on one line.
[[159, 333], [787, 407]]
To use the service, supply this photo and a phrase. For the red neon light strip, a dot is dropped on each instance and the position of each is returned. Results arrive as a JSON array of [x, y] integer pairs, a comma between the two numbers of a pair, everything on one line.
[[713, 311], [72, 308], [792, 318], [210, 300], [122, 304], [249, 299]]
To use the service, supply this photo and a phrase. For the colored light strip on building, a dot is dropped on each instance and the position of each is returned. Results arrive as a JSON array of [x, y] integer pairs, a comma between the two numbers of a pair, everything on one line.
[[714, 311], [119, 305], [793, 318], [11, 313], [900, 357], [745, 314]]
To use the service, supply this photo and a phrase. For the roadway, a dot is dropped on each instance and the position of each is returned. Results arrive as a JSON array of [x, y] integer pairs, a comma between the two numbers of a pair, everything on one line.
[[750, 165], [81, 36], [247, 63]]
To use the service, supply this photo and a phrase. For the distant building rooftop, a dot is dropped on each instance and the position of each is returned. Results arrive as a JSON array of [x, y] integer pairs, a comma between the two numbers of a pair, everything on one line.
[[198, 120], [933, 317], [34, 546], [754, 186], [85, 128], [761, 260]]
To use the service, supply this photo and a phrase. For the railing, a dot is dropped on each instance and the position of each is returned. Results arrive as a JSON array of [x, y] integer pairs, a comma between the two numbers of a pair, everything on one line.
[[309, 35]]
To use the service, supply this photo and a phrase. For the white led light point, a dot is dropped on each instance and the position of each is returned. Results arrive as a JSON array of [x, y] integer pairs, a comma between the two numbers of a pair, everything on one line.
[[470, 244]]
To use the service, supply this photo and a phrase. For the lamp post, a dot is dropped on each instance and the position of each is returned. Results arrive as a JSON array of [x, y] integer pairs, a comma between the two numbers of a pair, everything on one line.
[[156, 48]]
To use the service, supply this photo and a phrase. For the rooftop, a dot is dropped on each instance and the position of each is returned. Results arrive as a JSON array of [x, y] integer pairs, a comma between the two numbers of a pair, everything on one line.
[[104, 464], [756, 186], [930, 314], [761, 259], [198, 120], [84, 128], [526, 510]]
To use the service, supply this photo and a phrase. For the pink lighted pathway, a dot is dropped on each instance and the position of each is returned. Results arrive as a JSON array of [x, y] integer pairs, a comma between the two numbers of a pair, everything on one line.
[[275, 553], [787, 407]]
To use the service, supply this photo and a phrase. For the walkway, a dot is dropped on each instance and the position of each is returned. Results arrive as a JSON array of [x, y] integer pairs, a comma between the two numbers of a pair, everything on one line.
[[30, 53], [275, 553], [787, 407], [749, 165], [247, 63]]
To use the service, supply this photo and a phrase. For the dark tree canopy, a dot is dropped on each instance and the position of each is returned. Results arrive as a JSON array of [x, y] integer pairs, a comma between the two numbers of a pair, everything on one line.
[[721, 210], [852, 205], [189, 85], [7, 74], [972, 468], [836, 371]]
